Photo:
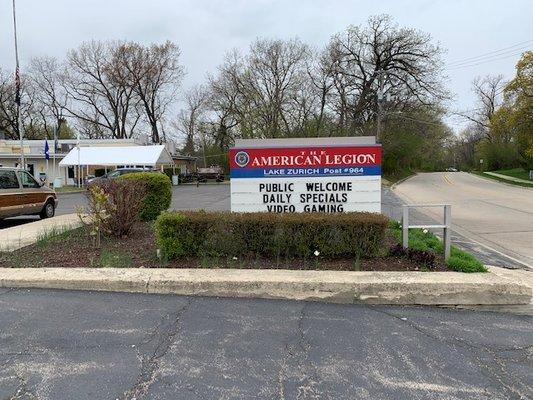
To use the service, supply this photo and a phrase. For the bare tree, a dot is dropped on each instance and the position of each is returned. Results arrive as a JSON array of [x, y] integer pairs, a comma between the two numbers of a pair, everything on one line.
[[8, 111], [190, 117], [489, 98], [45, 78], [264, 89], [403, 62], [99, 89], [154, 73], [31, 110]]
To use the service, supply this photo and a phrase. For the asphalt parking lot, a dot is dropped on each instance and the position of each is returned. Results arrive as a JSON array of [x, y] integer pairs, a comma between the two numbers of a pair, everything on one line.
[[82, 345]]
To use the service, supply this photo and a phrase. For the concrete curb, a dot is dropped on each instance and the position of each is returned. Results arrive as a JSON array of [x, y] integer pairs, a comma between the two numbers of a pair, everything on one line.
[[402, 180], [406, 288], [23, 235]]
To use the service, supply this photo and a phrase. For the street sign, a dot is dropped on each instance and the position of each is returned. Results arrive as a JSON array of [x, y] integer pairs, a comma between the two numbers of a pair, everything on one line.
[[309, 175]]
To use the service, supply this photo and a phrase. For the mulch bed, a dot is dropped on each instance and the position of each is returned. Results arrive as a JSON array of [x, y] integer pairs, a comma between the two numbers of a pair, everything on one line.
[[75, 249]]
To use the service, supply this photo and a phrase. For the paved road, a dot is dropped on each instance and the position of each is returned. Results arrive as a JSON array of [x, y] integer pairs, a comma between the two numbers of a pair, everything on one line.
[[79, 345], [495, 215]]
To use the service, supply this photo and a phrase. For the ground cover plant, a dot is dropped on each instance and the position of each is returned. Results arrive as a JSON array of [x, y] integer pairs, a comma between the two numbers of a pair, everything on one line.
[[424, 245]]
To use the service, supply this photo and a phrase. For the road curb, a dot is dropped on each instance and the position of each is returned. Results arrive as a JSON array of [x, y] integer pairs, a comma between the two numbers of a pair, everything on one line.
[[401, 288], [402, 180]]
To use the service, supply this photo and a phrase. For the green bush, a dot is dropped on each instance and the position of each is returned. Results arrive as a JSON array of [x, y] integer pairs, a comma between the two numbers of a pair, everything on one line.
[[159, 189], [193, 234]]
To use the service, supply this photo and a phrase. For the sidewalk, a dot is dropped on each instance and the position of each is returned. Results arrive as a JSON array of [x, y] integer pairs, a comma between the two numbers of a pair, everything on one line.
[[499, 287], [23, 235], [509, 178]]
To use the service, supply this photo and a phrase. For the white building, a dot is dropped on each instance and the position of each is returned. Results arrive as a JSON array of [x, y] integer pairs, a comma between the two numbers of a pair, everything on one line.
[[38, 166]]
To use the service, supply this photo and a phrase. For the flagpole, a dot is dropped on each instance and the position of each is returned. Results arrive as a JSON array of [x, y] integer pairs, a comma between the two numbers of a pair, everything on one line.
[[17, 89], [54, 154]]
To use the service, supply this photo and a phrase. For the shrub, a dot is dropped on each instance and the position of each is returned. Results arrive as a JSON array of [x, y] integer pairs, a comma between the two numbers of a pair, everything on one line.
[[192, 234], [114, 206], [158, 193]]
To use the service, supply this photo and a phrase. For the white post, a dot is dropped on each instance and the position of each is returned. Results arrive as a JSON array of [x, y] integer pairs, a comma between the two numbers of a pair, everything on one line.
[[405, 227], [447, 231]]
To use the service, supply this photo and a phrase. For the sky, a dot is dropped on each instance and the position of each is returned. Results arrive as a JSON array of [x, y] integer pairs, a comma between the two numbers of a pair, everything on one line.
[[206, 30]]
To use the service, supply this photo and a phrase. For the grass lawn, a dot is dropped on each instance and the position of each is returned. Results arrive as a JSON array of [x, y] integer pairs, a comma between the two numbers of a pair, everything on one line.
[[503, 180], [515, 173], [70, 189]]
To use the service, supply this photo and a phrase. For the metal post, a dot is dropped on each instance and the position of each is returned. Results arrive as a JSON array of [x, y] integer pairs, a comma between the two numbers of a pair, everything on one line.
[[405, 227], [379, 104], [447, 231]]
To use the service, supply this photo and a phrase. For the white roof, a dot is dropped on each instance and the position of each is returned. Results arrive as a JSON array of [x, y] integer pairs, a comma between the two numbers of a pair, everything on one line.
[[113, 156]]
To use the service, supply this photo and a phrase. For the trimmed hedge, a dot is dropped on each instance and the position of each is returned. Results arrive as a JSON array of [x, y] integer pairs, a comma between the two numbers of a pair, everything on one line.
[[223, 234], [159, 193]]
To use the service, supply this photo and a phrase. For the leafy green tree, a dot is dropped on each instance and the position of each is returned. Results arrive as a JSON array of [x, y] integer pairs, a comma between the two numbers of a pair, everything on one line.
[[513, 122]]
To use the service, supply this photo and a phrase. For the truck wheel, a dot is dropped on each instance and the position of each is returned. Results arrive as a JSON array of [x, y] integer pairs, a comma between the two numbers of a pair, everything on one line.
[[48, 211]]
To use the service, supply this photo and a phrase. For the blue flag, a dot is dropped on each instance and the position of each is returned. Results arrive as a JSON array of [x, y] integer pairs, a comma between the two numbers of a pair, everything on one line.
[[46, 150]]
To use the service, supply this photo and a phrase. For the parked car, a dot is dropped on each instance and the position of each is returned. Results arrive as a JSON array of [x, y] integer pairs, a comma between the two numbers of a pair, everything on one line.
[[22, 194], [114, 175], [214, 172]]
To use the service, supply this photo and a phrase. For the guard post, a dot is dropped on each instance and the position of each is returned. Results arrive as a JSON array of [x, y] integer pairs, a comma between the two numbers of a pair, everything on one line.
[[446, 226]]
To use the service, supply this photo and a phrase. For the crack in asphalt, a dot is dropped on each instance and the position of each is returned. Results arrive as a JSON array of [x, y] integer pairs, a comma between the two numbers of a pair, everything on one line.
[[164, 335], [298, 354], [22, 391], [8, 290], [506, 381]]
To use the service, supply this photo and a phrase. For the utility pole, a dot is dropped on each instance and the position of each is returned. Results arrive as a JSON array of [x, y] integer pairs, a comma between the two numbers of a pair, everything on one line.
[[17, 90], [379, 103]]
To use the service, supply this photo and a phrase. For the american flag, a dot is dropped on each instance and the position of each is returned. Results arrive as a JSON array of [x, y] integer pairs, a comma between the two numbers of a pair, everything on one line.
[[17, 86]]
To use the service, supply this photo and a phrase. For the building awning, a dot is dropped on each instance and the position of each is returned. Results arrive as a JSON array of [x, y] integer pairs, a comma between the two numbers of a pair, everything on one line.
[[113, 156]]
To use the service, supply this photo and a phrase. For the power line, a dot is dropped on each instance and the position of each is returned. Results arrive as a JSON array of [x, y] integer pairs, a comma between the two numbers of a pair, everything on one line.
[[441, 124], [483, 62], [490, 53]]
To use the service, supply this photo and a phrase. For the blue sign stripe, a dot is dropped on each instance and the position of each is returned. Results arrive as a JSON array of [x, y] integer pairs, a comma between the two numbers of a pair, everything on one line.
[[305, 172]]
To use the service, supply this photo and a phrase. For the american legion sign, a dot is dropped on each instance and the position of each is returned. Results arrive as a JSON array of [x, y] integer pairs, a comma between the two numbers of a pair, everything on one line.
[[306, 175]]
